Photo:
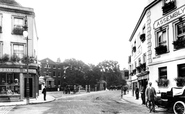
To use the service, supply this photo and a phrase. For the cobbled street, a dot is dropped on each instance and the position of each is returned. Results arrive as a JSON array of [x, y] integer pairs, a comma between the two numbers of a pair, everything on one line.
[[107, 102]]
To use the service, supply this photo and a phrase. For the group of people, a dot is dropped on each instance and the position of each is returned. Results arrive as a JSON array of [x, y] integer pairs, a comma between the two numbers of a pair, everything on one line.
[[148, 95]]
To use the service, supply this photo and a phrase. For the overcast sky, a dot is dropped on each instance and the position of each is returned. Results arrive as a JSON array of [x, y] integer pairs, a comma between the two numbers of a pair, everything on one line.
[[87, 30]]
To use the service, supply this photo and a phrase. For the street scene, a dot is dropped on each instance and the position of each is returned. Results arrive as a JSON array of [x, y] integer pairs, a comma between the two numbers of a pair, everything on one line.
[[92, 57], [103, 102]]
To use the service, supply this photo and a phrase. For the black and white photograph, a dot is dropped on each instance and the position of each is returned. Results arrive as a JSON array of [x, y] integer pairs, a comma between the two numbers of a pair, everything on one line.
[[92, 57]]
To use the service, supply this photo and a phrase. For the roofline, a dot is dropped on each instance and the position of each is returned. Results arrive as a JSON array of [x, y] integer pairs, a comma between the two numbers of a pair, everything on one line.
[[142, 16], [24, 10]]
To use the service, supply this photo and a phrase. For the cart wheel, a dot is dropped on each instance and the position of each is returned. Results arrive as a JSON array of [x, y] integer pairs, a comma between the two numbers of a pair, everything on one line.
[[179, 107]]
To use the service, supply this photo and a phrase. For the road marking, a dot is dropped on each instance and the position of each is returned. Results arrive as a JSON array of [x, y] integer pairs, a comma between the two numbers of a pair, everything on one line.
[[6, 110]]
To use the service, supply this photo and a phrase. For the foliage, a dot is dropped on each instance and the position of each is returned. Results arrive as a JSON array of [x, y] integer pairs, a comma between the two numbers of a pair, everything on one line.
[[18, 31], [163, 82], [15, 58], [5, 58], [180, 81]]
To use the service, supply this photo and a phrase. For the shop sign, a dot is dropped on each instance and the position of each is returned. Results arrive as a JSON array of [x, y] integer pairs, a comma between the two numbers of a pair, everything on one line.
[[10, 70], [174, 15]]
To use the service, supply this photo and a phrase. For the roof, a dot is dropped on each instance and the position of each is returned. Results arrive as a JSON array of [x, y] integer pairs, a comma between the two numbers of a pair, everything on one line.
[[142, 16], [49, 61], [10, 3]]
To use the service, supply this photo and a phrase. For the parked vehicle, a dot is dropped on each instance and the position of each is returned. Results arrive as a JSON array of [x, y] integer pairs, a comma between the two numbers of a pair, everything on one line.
[[173, 99]]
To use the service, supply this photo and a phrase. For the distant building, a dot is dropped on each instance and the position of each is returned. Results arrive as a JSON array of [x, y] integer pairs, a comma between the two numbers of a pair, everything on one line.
[[125, 74], [13, 52]]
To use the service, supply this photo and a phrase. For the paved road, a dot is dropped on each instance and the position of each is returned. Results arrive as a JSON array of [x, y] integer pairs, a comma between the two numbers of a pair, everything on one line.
[[108, 102]]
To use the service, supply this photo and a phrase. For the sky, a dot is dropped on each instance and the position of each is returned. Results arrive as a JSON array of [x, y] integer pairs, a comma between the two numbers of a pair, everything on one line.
[[87, 30]]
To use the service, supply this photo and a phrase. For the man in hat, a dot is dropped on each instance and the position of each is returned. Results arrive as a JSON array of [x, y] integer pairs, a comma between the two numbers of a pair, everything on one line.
[[150, 94]]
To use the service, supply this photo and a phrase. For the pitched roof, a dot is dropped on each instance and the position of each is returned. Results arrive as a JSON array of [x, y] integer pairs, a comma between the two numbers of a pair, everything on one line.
[[47, 59], [10, 3]]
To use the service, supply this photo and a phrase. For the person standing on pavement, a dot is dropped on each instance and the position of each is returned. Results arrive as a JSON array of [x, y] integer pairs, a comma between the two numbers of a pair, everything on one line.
[[150, 95], [143, 95], [137, 93], [122, 90], [44, 92]]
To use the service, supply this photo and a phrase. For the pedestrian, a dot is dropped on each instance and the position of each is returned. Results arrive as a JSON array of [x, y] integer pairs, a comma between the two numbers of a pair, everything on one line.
[[137, 93], [122, 89], [143, 95], [44, 92], [150, 96]]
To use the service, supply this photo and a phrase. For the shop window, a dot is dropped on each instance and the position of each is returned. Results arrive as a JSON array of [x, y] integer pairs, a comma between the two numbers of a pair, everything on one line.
[[161, 45], [9, 83], [18, 49], [180, 35]]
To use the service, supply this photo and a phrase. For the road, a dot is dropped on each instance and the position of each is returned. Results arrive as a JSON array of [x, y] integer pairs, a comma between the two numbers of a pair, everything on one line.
[[107, 102]]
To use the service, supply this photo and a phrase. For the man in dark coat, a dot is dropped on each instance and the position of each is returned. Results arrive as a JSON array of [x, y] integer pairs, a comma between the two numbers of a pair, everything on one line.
[[151, 94], [44, 92]]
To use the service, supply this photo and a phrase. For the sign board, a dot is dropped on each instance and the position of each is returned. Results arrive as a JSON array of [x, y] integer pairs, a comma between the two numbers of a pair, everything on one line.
[[16, 70], [166, 19]]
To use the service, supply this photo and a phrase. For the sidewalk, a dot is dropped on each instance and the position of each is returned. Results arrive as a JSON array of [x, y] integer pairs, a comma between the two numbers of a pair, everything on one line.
[[130, 98], [50, 96]]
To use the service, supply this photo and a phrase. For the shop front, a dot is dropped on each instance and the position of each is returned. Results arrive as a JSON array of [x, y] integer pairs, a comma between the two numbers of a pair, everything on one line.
[[13, 82]]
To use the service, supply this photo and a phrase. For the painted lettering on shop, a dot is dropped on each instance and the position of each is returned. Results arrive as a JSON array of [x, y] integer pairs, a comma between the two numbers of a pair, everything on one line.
[[174, 15]]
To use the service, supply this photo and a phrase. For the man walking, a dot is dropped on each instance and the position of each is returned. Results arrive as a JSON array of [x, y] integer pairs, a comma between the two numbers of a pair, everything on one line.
[[150, 94], [44, 92]]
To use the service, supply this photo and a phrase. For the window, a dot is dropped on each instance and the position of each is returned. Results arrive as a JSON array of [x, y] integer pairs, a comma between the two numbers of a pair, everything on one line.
[[161, 41], [161, 37], [1, 23], [54, 73], [1, 49], [168, 6], [163, 73], [17, 25], [179, 41], [18, 50], [181, 30], [181, 70], [9, 83]]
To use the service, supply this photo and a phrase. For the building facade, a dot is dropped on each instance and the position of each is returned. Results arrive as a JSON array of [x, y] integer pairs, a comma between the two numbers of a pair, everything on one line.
[[164, 21], [16, 79]]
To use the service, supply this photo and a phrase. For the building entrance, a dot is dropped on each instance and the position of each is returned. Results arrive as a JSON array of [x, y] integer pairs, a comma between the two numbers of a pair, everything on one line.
[[30, 87]]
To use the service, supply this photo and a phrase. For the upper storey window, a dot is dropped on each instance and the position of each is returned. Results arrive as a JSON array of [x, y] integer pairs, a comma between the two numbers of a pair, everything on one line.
[[168, 5], [180, 35], [18, 25], [162, 45]]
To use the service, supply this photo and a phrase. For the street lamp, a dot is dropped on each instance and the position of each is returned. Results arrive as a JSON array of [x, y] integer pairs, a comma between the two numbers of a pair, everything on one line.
[[25, 34]]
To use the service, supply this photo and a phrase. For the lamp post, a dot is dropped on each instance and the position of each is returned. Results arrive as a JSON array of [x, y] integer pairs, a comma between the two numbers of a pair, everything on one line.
[[25, 34]]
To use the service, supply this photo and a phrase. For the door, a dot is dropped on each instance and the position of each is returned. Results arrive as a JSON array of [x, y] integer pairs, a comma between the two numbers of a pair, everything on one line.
[[30, 87]]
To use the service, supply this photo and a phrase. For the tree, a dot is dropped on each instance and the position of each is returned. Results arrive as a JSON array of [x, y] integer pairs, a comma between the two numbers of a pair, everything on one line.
[[110, 72]]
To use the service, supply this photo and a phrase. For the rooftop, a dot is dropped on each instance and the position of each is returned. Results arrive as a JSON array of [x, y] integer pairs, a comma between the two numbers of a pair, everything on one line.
[[10, 3]]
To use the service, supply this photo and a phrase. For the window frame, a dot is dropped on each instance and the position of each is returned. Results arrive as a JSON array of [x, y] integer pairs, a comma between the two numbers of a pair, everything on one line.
[[178, 70], [161, 29], [13, 23], [159, 73], [19, 44]]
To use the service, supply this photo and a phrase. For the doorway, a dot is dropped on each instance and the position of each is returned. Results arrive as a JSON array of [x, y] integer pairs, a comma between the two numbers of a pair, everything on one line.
[[30, 87]]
